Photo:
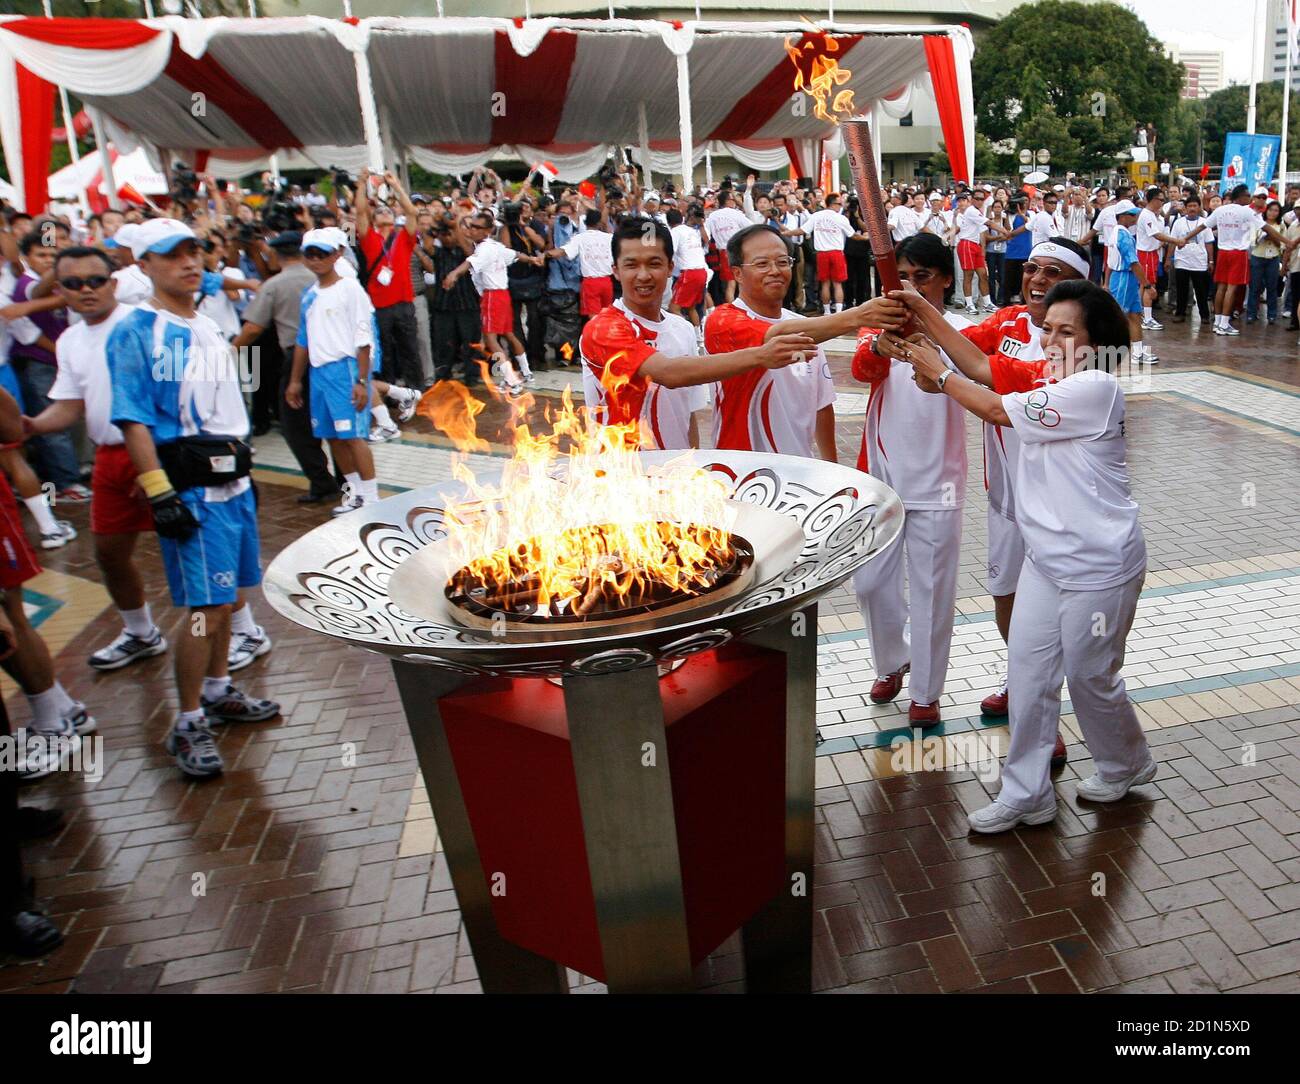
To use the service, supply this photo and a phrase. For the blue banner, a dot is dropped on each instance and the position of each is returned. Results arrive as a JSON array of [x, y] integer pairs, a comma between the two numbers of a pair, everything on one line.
[[1248, 159]]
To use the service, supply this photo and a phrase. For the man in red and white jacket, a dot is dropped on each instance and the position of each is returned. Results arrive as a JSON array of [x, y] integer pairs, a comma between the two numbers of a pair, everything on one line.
[[641, 365], [789, 411]]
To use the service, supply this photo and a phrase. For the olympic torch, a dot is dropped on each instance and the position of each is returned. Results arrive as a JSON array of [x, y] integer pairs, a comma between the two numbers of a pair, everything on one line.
[[871, 203]]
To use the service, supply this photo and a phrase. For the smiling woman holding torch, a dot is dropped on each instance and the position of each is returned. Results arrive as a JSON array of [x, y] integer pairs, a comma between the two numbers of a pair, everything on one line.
[[1085, 552]]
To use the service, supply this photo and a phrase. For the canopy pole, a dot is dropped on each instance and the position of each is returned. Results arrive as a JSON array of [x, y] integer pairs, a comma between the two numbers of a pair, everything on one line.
[[643, 131], [148, 9], [105, 157], [1254, 62], [877, 112], [347, 8], [684, 120], [708, 167], [1286, 110], [369, 114]]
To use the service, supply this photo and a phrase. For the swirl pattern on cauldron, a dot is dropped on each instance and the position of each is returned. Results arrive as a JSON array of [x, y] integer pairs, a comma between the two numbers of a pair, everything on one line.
[[334, 580]]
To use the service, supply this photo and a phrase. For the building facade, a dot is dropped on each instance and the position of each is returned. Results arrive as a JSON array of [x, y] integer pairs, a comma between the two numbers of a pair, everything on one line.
[[1204, 71]]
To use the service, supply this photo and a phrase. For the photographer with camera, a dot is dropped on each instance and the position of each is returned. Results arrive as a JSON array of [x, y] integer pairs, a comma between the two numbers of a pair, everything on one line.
[[527, 282], [560, 305], [388, 250], [453, 313]]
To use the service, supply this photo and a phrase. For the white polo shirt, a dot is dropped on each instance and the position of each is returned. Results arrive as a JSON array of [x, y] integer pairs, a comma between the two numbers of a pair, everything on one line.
[[1193, 256], [594, 251], [1233, 225], [488, 263], [1148, 225], [1073, 501], [830, 229]]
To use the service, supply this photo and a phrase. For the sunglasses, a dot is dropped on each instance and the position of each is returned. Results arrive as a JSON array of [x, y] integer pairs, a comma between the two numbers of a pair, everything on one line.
[[1050, 270], [317, 253], [73, 284]]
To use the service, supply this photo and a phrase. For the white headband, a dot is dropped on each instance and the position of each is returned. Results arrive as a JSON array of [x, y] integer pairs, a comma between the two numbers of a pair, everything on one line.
[[1053, 251]]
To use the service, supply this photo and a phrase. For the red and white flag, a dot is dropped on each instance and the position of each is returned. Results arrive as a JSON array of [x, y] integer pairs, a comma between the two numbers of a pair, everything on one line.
[[1293, 26]]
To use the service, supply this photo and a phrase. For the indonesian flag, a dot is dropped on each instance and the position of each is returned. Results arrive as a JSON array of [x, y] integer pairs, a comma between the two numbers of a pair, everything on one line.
[[545, 170]]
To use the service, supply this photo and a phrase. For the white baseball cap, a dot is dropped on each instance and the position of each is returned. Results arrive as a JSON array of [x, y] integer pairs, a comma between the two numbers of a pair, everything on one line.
[[1125, 207], [122, 238], [1262, 190], [158, 235], [328, 238]]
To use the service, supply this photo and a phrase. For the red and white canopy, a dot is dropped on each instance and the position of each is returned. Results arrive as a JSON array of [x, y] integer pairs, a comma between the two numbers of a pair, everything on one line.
[[454, 91]]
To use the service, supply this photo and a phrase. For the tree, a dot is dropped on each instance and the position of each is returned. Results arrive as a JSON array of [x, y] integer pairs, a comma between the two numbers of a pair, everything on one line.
[[1081, 74], [1225, 111], [987, 161]]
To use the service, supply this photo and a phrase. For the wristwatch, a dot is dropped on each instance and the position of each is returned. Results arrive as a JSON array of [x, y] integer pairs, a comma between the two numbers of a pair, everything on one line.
[[942, 378]]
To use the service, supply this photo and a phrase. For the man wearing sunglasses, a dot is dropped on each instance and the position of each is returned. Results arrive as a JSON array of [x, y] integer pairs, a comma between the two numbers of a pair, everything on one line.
[[118, 511]]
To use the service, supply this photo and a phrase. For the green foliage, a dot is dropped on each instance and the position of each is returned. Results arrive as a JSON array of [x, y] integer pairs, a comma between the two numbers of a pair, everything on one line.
[[987, 161], [1075, 78], [1225, 111]]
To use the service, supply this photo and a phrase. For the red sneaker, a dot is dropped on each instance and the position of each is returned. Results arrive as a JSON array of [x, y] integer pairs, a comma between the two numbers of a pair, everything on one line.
[[1058, 753], [923, 714], [995, 704], [886, 688]]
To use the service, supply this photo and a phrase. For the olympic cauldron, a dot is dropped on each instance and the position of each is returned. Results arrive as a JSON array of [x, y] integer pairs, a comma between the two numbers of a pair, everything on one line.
[[620, 791]]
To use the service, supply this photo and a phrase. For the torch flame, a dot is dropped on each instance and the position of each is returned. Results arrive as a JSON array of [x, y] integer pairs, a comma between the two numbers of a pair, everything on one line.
[[577, 509], [817, 74], [566, 349]]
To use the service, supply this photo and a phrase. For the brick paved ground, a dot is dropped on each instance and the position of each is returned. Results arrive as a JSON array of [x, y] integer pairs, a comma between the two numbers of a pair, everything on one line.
[[321, 876]]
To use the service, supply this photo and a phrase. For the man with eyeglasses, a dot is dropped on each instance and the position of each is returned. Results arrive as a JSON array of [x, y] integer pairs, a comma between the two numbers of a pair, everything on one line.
[[1013, 333], [789, 411]]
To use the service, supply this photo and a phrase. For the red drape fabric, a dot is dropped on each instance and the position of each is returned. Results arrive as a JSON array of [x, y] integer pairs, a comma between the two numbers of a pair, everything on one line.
[[245, 108], [36, 107], [84, 33], [943, 77], [534, 88]]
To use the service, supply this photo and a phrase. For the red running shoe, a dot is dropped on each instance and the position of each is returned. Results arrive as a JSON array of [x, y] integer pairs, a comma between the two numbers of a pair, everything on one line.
[[995, 704], [886, 688], [923, 714], [1058, 753]]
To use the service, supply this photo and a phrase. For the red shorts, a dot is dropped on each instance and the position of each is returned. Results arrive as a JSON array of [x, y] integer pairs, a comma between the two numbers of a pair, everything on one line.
[[689, 290], [18, 562], [1232, 266], [116, 505], [597, 294], [1150, 262], [831, 266], [495, 312], [724, 266], [970, 255]]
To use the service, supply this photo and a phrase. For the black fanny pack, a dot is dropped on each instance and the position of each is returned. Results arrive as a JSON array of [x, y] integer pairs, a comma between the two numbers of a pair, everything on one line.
[[205, 461]]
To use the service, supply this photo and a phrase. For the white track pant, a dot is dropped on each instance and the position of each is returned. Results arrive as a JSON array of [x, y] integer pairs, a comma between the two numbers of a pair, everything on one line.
[[1078, 635], [932, 541]]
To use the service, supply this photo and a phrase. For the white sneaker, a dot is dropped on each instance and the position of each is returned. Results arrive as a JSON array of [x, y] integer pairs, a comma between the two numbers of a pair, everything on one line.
[[126, 649], [1230, 330], [381, 434], [407, 399], [247, 647], [530, 380], [1152, 325], [349, 504], [79, 719], [43, 752], [997, 817], [63, 533], [970, 309], [1096, 789], [988, 306]]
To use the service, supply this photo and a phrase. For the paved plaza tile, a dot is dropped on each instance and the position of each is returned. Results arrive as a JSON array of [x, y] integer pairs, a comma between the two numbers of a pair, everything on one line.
[[326, 875]]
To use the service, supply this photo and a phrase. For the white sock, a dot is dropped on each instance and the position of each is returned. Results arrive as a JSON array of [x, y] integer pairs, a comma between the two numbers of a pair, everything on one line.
[[354, 483], [1146, 312], [839, 306], [62, 700], [1139, 349], [188, 720], [241, 621], [380, 413], [826, 310], [521, 363], [138, 622], [45, 709], [214, 687], [370, 489], [1220, 320], [401, 395], [39, 507]]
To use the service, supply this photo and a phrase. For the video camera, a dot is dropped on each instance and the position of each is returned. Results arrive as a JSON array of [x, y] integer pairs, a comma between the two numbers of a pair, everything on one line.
[[185, 183]]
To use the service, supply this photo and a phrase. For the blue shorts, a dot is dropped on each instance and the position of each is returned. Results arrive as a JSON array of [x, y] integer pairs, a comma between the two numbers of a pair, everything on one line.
[[1123, 287], [333, 417], [221, 556], [9, 381]]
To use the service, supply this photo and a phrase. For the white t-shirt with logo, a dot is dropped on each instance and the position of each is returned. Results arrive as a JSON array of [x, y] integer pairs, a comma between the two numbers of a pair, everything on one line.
[[1193, 256], [338, 321], [1234, 225], [594, 250], [83, 373], [830, 229], [724, 223], [927, 473], [488, 263], [1148, 225], [1042, 227], [971, 224], [1073, 501], [688, 251]]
